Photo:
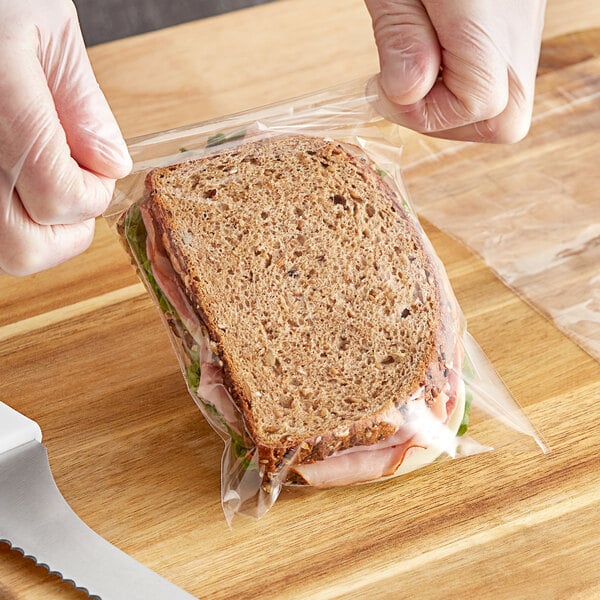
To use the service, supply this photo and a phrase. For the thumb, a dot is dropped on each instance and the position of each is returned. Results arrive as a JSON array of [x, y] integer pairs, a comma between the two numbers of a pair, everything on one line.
[[93, 135], [409, 51]]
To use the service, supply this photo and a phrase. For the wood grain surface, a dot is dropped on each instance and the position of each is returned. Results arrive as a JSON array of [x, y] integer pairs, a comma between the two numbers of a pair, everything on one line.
[[83, 352]]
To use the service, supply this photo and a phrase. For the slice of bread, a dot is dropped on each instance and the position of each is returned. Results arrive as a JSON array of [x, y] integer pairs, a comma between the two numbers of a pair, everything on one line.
[[317, 287]]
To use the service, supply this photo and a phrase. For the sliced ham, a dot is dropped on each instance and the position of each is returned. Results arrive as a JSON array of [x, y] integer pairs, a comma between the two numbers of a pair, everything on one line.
[[355, 467], [422, 432], [166, 278]]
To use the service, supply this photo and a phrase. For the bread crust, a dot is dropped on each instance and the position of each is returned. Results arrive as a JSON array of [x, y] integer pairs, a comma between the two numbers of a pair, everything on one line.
[[429, 376]]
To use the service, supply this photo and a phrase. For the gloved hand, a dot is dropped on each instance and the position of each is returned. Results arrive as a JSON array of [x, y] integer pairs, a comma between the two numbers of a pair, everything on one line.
[[60, 146], [459, 69]]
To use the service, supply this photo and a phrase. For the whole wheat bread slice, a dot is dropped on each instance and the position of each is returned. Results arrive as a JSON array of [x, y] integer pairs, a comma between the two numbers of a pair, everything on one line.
[[316, 286]]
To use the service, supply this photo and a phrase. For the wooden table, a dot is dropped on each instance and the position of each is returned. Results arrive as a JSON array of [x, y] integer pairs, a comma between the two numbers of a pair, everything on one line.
[[83, 352]]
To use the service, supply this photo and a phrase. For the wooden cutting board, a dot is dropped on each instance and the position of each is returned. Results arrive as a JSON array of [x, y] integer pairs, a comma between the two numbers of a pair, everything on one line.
[[82, 351]]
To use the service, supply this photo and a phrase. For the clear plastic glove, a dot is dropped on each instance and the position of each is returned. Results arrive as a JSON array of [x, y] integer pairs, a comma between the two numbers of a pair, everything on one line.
[[60, 146], [459, 69]]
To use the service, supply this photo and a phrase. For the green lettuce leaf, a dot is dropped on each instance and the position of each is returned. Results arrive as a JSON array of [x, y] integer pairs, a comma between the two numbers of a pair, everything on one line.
[[464, 425], [136, 234]]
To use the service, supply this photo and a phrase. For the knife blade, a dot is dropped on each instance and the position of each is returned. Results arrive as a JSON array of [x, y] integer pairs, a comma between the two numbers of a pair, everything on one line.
[[36, 520]]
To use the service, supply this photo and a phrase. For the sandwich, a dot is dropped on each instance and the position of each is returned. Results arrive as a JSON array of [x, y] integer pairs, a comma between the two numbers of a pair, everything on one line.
[[318, 328]]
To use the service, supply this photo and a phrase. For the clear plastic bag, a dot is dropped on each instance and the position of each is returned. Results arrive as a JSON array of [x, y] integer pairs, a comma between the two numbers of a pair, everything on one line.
[[531, 211], [471, 411]]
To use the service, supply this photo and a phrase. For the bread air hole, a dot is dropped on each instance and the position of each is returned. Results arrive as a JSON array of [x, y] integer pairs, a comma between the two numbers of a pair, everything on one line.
[[344, 344]]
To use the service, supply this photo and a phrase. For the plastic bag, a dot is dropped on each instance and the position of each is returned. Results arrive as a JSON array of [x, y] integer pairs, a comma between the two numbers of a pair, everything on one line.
[[534, 217], [471, 412]]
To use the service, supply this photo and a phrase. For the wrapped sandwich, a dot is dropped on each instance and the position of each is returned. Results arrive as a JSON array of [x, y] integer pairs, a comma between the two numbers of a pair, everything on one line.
[[326, 332], [314, 323]]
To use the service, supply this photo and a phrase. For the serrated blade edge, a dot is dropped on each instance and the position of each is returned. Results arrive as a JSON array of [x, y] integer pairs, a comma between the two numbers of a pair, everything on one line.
[[36, 520]]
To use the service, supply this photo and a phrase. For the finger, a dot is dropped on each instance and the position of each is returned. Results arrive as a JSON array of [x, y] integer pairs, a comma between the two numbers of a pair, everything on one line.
[[91, 130], [440, 111], [409, 51], [27, 247], [510, 126], [34, 155], [466, 93]]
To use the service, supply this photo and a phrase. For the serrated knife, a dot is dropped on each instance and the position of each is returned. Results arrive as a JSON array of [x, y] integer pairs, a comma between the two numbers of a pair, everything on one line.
[[36, 520]]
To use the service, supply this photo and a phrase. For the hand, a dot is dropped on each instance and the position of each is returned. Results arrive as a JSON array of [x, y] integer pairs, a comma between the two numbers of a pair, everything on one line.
[[60, 146], [459, 69]]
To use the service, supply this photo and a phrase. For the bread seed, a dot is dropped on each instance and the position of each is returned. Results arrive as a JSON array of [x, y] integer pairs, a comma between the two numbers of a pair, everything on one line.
[[269, 359]]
